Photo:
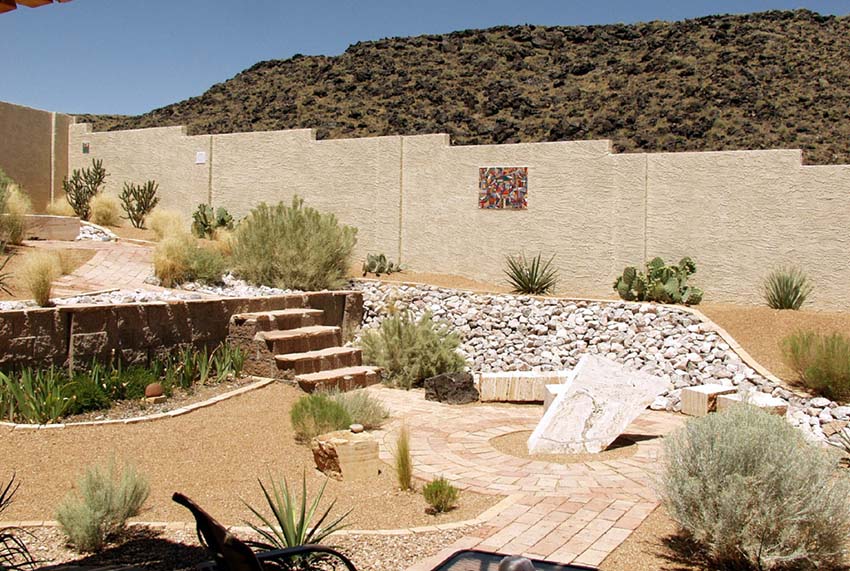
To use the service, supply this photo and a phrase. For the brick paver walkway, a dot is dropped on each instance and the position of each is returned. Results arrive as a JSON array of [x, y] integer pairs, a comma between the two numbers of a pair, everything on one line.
[[576, 513]]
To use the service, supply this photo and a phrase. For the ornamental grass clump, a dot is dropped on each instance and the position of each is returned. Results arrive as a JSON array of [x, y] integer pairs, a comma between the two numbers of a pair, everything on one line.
[[532, 277], [105, 210], [362, 407], [107, 496], [294, 247], [410, 351], [821, 362], [317, 414], [14, 207], [751, 492], [440, 494], [403, 460], [786, 288], [39, 269], [181, 258], [165, 223]]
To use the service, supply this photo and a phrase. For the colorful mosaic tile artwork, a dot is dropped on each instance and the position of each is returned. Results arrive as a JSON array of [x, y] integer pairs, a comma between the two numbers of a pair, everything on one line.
[[503, 187]]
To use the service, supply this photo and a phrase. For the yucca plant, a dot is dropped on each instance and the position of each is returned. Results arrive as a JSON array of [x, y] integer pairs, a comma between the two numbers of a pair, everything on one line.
[[533, 277], [291, 523], [786, 288], [14, 554]]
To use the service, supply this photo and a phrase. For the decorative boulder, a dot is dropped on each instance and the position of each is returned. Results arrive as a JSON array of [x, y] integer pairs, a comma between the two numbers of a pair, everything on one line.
[[346, 455], [451, 388], [154, 390]]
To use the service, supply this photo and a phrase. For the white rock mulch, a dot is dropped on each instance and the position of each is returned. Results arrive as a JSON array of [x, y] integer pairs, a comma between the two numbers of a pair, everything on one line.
[[89, 231]]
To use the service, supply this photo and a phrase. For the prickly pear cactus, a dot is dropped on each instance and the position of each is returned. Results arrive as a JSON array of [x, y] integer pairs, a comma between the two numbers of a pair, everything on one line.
[[660, 283], [379, 264]]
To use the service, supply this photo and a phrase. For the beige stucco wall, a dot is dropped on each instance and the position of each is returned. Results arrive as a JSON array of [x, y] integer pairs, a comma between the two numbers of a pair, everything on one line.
[[738, 214], [32, 151]]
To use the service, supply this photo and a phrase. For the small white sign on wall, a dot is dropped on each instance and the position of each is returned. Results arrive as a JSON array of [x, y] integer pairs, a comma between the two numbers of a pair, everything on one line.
[[200, 157]]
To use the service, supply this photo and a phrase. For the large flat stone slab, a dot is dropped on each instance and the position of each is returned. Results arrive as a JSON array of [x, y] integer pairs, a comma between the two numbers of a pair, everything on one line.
[[601, 399], [758, 399], [47, 227], [518, 386], [702, 399]]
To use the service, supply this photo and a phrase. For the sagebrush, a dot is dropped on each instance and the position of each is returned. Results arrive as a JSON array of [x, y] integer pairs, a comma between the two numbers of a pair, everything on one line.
[[317, 414], [746, 487], [107, 496], [440, 494], [786, 288], [410, 350], [294, 247], [821, 362]]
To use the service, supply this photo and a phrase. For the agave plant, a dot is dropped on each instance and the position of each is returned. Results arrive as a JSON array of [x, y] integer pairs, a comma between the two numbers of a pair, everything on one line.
[[534, 277], [291, 522], [14, 554], [786, 288], [841, 440]]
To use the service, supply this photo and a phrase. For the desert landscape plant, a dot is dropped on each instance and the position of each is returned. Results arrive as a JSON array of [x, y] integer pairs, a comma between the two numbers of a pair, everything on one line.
[[533, 277], [379, 264], [409, 350], [746, 486], [294, 246], [403, 460], [786, 288], [39, 269], [14, 206], [5, 277], [180, 258], [440, 494], [821, 362], [106, 497], [138, 201], [660, 283], [362, 407], [206, 220], [165, 223], [14, 554], [35, 396], [60, 207], [82, 186], [291, 523], [105, 210], [317, 414]]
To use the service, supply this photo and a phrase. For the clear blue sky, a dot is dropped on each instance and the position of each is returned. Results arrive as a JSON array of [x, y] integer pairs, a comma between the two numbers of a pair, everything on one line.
[[131, 56]]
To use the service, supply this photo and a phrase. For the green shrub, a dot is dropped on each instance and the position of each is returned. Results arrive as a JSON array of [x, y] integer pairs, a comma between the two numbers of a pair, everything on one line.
[[105, 210], [293, 247], [822, 362], [661, 283], [291, 523], [206, 220], [317, 414], [746, 486], [180, 258], [14, 555], [34, 396], [83, 186], [138, 201], [403, 460], [38, 271], [786, 288], [106, 499], [440, 494], [362, 407], [379, 264], [533, 277], [411, 351]]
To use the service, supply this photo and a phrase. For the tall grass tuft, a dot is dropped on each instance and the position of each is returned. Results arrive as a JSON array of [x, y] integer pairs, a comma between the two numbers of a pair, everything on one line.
[[180, 258], [786, 288], [106, 498], [14, 207], [822, 362], [165, 223], [105, 210], [292, 246], [317, 414], [39, 269], [411, 351], [60, 207], [746, 487], [533, 277], [403, 460]]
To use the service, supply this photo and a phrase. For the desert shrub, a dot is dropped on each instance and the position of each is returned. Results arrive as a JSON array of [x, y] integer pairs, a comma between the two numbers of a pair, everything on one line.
[[105, 210], [379, 264], [165, 223], [317, 414], [60, 207], [106, 498], [534, 277], [222, 242], [39, 269], [403, 460], [138, 201], [411, 351], [14, 555], [746, 486], [660, 283], [293, 247], [15, 206], [786, 288], [181, 258], [440, 494], [362, 407], [291, 523], [821, 361], [82, 186], [206, 220]]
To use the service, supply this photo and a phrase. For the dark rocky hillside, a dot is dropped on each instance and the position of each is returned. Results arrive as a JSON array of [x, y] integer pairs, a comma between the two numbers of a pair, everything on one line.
[[759, 81]]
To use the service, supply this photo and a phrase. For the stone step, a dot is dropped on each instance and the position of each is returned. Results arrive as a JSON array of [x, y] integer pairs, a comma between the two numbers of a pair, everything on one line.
[[300, 340], [321, 360], [249, 324], [344, 379]]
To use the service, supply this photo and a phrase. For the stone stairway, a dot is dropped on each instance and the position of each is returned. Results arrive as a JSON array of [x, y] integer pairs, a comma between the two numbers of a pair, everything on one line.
[[295, 345]]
